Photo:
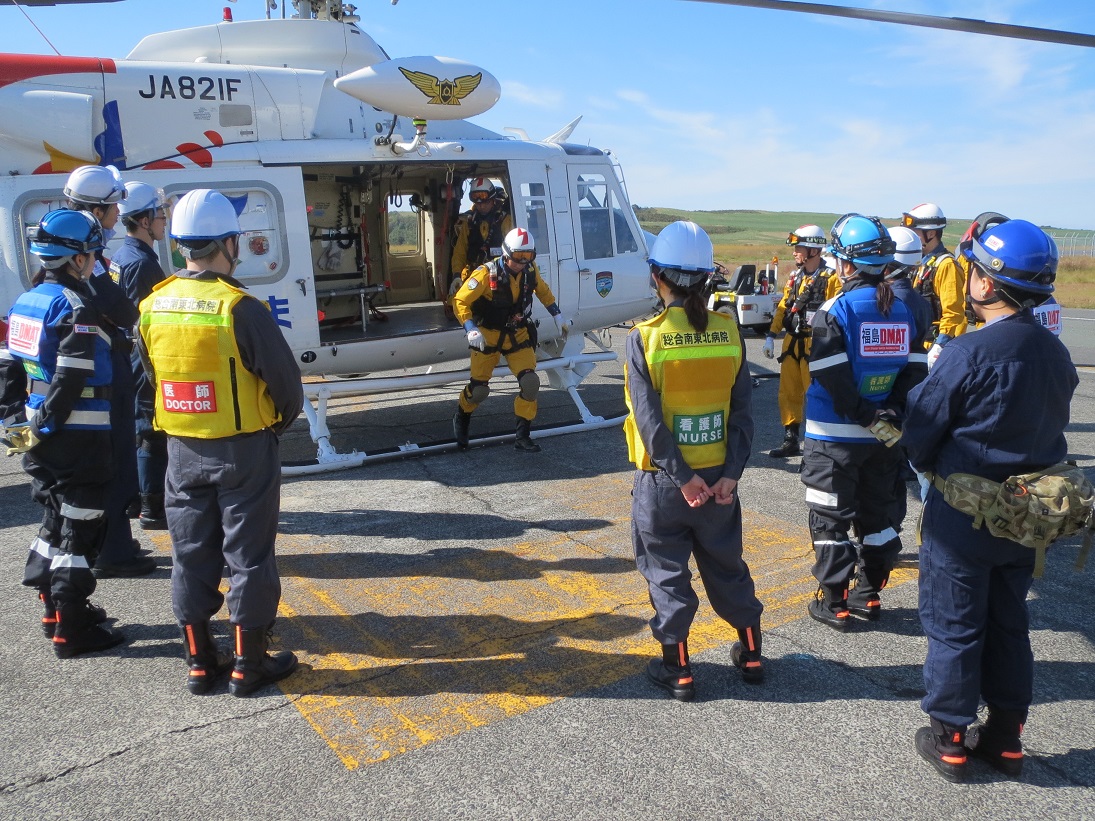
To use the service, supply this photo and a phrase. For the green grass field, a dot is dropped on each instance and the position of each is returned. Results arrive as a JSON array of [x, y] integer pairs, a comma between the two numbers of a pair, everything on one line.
[[756, 237]]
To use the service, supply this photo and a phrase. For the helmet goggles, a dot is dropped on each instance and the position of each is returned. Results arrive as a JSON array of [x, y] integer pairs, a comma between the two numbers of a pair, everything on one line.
[[879, 246], [524, 257], [995, 268]]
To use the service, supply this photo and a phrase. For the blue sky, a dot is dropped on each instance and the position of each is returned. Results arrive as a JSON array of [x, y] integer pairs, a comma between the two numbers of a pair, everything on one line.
[[715, 107]]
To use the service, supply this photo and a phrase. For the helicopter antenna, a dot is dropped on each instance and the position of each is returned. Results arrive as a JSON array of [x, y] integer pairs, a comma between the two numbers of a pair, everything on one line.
[[1067, 38], [16, 4]]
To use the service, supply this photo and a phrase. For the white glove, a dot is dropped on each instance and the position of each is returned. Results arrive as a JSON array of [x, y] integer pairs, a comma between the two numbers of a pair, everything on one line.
[[562, 323], [769, 347], [475, 339], [933, 354]]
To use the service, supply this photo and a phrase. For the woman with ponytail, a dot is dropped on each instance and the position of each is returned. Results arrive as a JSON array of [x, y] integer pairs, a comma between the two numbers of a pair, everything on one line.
[[867, 355], [689, 433]]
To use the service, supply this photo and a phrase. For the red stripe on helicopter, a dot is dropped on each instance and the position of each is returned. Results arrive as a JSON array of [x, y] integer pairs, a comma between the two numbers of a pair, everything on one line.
[[17, 67]]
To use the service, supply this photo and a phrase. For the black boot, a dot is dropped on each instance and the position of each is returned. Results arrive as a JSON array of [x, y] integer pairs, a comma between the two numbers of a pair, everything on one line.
[[672, 671], [745, 654], [461, 423], [863, 599], [207, 663], [790, 446], [152, 516], [133, 509], [941, 746], [997, 740], [77, 631], [830, 606], [255, 667], [49, 613], [524, 442]]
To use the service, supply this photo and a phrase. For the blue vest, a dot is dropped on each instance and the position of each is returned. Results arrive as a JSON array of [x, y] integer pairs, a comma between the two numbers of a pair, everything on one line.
[[878, 349], [36, 323]]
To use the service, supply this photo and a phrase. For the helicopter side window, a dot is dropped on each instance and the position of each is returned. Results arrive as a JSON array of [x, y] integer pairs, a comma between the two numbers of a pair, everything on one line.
[[535, 197], [594, 216]]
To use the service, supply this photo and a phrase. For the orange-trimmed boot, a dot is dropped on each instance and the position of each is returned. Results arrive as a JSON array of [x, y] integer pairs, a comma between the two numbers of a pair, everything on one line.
[[996, 741], [672, 671], [745, 654], [942, 746]]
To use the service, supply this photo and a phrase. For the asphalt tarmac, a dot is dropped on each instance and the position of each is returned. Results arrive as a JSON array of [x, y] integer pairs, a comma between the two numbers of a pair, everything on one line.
[[472, 635]]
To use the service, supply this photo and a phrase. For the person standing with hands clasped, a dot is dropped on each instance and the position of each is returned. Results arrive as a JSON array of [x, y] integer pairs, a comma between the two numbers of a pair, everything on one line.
[[55, 337], [689, 433], [995, 405], [227, 385], [867, 354]]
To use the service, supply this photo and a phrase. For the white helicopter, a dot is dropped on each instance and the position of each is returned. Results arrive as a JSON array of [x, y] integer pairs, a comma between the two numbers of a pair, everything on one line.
[[348, 170]]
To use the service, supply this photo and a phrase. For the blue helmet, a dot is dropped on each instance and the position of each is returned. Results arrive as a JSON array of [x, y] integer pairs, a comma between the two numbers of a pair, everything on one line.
[[1016, 254], [862, 241], [62, 233]]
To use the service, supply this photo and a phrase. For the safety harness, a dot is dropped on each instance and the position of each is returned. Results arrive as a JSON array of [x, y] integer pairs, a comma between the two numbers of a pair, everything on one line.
[[501, 312]]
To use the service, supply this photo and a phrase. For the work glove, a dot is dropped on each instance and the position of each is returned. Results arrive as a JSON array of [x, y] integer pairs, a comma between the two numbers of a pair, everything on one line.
[[933, 354], [885, 429], [19, 438], [475, 339], [562, 323], [769, 348]]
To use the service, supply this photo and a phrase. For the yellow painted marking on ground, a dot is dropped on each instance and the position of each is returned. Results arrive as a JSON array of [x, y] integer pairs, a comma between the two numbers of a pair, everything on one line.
[[398, 653]]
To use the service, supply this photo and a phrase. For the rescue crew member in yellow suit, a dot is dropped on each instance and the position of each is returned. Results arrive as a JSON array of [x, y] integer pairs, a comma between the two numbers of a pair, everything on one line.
[[810, 285], [481, 228], [495, 307], [938, 278], [689, 433], [227, 385]]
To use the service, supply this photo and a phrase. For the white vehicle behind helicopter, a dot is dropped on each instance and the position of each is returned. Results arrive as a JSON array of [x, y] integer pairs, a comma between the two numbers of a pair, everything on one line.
[[347, 169]]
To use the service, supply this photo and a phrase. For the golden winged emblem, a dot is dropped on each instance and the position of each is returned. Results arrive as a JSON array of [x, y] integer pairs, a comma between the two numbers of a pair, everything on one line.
[[443, 92]]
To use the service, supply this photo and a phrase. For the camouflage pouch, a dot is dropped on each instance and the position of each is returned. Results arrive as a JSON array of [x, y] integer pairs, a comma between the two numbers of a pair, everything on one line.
[[1032, 509]]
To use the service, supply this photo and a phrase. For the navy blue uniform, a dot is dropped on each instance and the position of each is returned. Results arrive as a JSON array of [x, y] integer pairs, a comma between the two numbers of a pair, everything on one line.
[[119, 316], [136, 269], [996, 404], [54, 334]]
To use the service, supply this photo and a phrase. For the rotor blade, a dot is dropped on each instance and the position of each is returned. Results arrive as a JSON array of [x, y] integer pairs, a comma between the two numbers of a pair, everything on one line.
[[1067, 38]]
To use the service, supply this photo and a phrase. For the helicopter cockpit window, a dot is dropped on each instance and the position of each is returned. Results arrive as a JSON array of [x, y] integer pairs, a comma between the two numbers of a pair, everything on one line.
[[626, 242], [593, 213], [404, 234], [536, 215]]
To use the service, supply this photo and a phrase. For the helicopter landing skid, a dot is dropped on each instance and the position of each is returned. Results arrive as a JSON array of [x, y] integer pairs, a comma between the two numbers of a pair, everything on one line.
[[564, 372]]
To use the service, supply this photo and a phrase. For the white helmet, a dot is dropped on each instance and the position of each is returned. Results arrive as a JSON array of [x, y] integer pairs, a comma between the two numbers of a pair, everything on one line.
[[519, 246], [204, 214], [140, 197], [482, 189], [95, 185], [683, 253], [200, 222], [910, 250], [926, 215], [812, 236]]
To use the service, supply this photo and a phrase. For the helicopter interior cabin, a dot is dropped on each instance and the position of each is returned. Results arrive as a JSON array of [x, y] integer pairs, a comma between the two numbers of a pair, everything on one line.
[[381, 240]]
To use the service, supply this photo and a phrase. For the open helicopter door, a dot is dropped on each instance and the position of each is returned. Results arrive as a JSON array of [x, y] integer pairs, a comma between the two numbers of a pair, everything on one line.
[[275, 263], [532, 209], [606, 235]]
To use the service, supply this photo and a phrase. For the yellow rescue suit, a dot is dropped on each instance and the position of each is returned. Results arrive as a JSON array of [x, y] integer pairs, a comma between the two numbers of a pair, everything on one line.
[[803, 294], [505, 325]]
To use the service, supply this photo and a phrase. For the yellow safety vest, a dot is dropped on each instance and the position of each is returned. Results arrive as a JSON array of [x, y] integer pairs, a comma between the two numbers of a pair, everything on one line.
[[202, 388], [693, 372]]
